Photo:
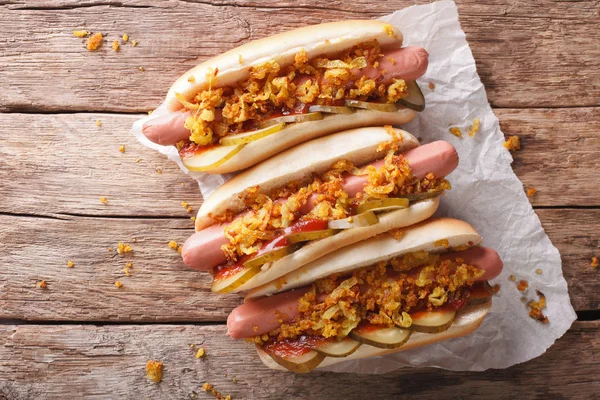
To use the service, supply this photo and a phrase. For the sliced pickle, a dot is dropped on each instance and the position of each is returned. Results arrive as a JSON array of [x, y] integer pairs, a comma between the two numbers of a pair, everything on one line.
[[424, 195], [480, 294], [247, 137], [211, 158], [286, 119], [369, 105], [415, 99], [432, 321], [356, 221], [300, 364], [231, 283], [272, 255], [382, 337], [382, 205], [335, 348], [331, 109], [310, 235]]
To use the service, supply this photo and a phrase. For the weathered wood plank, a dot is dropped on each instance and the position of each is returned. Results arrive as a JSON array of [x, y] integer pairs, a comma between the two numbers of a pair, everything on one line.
[[96, 362], [551, 59], [72, 163], [161, 288]]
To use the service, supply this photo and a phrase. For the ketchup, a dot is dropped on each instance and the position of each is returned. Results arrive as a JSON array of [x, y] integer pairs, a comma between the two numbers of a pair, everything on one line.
[[295, 347]]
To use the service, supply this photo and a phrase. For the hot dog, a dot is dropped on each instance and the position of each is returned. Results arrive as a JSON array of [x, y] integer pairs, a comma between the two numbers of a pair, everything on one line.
[[293, 208], [259, 99], [384, 294], [202, 250]]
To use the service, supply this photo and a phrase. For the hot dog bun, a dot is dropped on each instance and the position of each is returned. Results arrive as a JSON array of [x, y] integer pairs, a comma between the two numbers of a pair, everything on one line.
[[467, 320], [315, 40], [312, 251], [298, 164], [426, 236], [294, 134]]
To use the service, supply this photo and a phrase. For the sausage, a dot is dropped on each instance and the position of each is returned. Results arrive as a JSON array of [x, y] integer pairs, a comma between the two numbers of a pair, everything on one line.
[[408, 63], [202, 250], [439, 158], [260, 313]]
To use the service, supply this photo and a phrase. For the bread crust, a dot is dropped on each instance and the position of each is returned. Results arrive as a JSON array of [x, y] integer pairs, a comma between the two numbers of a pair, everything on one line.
[[424, 236], [298, 164], [294, 134], [234, 65], [312, 251], [467, 320]]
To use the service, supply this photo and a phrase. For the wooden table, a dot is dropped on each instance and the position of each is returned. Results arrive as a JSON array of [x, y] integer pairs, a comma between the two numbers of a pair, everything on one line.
[[83, 337]]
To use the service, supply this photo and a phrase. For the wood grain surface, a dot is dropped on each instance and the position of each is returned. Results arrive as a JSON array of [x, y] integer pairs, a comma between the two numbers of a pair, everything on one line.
[[107, 362], [81, 337], [552, 45]]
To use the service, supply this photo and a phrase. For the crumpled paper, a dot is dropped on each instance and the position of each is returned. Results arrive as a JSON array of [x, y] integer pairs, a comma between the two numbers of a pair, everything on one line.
[[486, 193]]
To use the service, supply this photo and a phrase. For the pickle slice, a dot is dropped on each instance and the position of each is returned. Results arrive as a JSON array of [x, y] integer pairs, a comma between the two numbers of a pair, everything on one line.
[[369, 105], [272, 255], [286, 119], [247, 137], [424, 195], [310, 235], [382, 205], [331, 109], [365, 219], [231, 283], [336, 348], [211, 158], [415, 99], [432, 321], [300, 364], [382, 337]]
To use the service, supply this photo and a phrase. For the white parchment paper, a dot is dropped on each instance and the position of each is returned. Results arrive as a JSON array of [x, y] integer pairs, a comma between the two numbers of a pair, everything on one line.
[[486, 193]]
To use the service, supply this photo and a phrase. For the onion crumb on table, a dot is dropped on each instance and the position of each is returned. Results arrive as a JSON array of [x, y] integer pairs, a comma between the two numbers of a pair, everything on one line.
[[42, 284], [94, 42], [118, 284], [513, 143], [122, 149], [70, 264], [531, 191], [154, 370], [81, 33], [207, 387], [103, 200], [123, 248], [594, 262], [200, 353]]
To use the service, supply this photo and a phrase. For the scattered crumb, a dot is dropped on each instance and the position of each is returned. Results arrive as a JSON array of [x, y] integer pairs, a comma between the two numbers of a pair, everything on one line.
[[98, 123], [141, 68], [173, 244], [182, 183], [134, 240], [126, 270], [81, 34], [122, 149], [158, 171], [475, 127], [193, 219], [207, 387], [134, 43], [513, 143], [42, 285], [154, 370], [103, 200], [128, 265], [594, 262], [456, 131], [523, 285], [200, 352], [431, 86], [138, 159], [94, 42], [234, 380], [397, 233], [523, 299], [538, 271], [70, 264], [536, 307], [110, 249], [531, 191], [118, 284], [192, 346], [150, 112], [191, 79], [512, 278], [441, 242], [125, 37], [496, 288], [190, 209], [115, 45], [123, 248], [184, 204]]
